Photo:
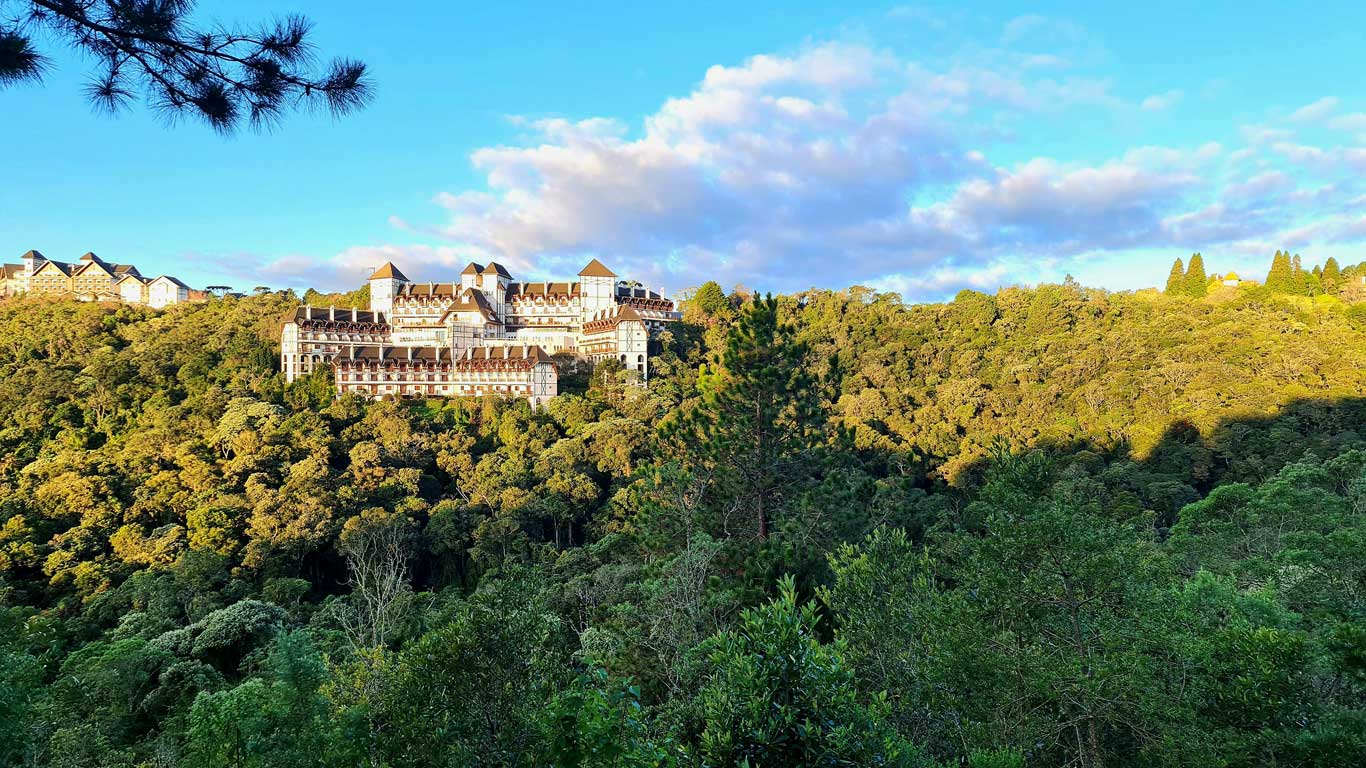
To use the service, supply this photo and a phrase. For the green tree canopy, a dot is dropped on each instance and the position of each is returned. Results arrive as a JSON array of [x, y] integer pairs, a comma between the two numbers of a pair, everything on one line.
[[1176, 280], [1196, 281]]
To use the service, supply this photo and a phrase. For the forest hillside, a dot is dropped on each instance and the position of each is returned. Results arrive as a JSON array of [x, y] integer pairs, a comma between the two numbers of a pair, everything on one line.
[[1050, 526]]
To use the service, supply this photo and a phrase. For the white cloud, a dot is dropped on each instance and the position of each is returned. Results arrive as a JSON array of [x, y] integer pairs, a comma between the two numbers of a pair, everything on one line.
[[1159, 102], [1353, 123], [845, 164], [1316, 111]]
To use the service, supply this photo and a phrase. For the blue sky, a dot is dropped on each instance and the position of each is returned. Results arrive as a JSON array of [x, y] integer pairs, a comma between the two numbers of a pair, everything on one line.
[[913, 148]]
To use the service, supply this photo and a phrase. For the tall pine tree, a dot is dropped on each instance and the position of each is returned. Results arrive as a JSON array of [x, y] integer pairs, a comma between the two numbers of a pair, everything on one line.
[[1176, 280], [760, 416], [1196, 281], [1299, 280], [1281, 278], [1332, 275]]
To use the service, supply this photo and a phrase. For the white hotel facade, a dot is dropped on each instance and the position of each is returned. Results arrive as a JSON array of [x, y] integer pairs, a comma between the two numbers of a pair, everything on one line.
[[484, 335]]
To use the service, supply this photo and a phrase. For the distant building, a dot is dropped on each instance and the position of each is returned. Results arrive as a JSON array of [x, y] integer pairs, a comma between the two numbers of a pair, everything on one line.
[[13, 280], [166, 290], [486, 334], [90, 278], [132, 288]]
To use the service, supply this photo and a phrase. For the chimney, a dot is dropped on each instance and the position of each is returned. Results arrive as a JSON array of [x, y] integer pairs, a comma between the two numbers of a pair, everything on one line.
[[308, 313], [353, 314], [410, 354], [332, 312]]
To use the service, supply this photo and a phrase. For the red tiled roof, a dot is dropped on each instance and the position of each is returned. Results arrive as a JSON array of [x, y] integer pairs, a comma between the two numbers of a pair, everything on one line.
[[388, 271], [596, 268]]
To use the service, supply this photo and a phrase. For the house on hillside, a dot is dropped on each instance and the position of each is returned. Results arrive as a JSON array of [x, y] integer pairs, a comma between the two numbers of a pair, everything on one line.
[[132, 289], [13, 280], [88, 279], [166, 290]]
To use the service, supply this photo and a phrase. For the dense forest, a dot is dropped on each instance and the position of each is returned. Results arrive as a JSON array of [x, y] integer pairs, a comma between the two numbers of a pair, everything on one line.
[[1050, 527]]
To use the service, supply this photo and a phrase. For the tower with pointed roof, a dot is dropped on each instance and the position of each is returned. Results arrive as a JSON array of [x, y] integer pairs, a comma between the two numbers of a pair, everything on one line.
[[384, 283], [469, 276], [494, 281], [597, 288], [32, 261]]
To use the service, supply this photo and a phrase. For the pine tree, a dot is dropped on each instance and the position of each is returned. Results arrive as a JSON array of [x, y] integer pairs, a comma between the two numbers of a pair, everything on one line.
[[225, 76], [761, 417], [1299, 281], [1176, 281], [1332, 275], [1196, 281], [1281, 279]]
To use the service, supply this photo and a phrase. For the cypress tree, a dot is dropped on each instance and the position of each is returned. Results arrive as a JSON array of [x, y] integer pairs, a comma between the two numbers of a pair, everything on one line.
[[1197, 282], [1299, 281], [1176, 281], [1332, 275], [1280, 279]]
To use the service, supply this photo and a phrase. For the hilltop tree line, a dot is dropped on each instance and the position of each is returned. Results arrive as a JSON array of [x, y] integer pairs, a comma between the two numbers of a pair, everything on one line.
[[1051, 526], [1287, 276]]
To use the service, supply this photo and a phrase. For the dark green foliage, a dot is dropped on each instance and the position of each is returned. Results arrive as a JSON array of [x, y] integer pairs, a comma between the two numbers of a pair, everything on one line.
[[474, 690], [600, 723], [759, 415], [780, 697], [279, 718], [223, 75]]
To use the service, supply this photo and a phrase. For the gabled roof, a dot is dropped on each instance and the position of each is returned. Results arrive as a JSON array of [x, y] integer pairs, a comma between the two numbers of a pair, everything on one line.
[[126, 269], [89, 256], [173, 280], [13, 270], [33, 254], [610, 318], [88, 264], [390, 272], [494, 268], [472, 269], [134, 276], [473, 301], [596, 268], [60, 266]]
